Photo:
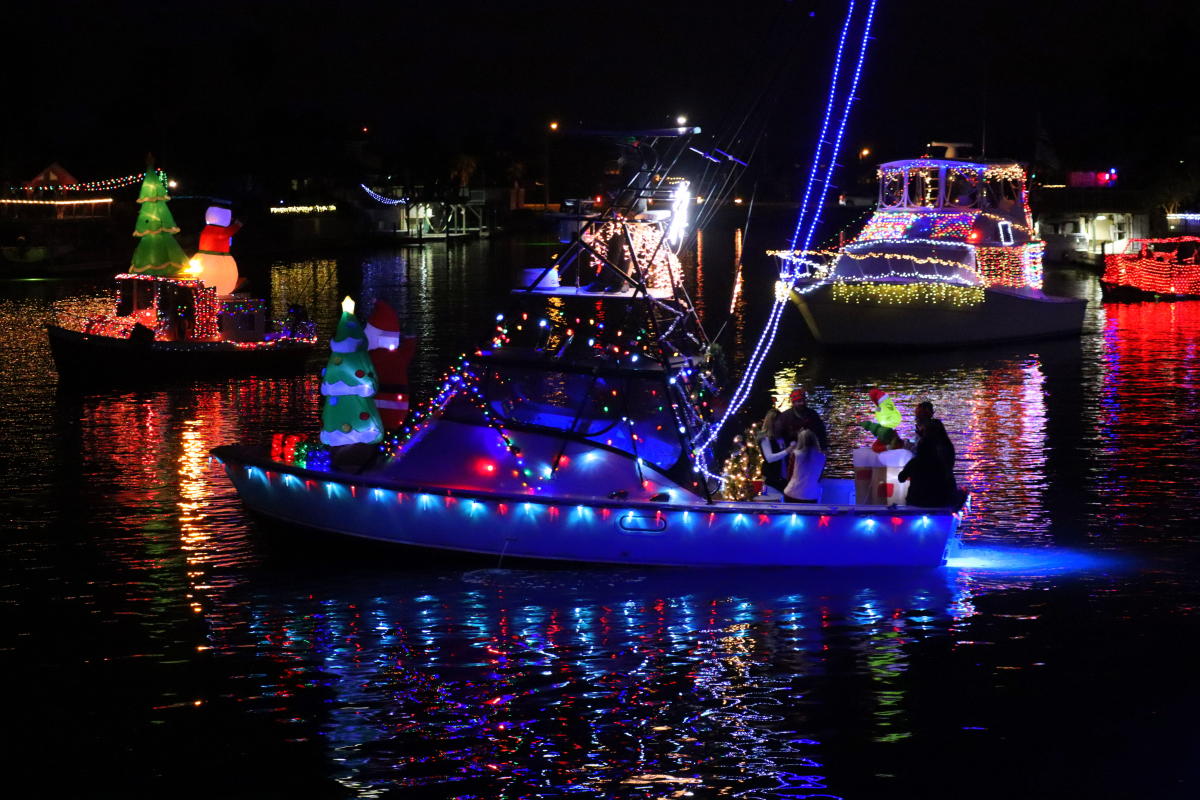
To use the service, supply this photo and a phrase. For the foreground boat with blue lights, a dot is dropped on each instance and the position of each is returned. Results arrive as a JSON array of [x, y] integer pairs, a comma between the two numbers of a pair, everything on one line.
[[949, 258], [578, 434], [587, 527]]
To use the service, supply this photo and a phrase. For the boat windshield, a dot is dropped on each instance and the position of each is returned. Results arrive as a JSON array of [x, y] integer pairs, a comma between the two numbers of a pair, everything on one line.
[[923, 187], [133, 295], [891, 188], [962, 188], [1003, 193], [628, 413]]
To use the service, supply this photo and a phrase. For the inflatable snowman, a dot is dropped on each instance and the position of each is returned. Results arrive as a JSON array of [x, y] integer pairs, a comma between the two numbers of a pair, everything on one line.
[[213, 264]]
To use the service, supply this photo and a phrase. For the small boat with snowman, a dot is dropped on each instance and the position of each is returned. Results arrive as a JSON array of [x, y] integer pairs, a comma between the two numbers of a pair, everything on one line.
[[174, 317], [574, 435], [948, 258]]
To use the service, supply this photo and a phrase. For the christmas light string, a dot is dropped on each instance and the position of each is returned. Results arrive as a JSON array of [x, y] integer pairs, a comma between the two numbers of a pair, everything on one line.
[[788, 279], [387, 201], [89, 186]]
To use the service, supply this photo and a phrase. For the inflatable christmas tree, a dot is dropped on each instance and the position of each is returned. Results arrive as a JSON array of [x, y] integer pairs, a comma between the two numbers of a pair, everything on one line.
[[157, 251], [348, 383]]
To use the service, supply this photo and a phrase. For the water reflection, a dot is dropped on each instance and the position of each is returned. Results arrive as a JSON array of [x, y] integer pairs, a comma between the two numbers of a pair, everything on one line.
[[158, 625], [521, 684]]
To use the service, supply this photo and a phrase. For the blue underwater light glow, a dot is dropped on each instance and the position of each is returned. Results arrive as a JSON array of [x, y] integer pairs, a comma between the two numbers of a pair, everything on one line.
[[1029, 561]]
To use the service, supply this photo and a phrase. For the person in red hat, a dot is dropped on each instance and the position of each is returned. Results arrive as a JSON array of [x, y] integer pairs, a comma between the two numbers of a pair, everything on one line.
[[390, 352], [797, 414]]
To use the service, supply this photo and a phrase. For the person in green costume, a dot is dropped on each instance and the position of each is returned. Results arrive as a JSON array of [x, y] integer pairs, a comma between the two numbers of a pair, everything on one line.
[[157, 251], [348, 383], [887, 420]]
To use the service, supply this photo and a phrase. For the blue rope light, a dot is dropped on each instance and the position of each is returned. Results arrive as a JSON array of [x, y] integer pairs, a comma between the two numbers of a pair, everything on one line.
[[387, 201], [788, 276]]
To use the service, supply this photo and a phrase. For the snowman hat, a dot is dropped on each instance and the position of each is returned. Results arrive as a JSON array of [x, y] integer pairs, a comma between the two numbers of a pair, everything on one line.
[[877, 395]]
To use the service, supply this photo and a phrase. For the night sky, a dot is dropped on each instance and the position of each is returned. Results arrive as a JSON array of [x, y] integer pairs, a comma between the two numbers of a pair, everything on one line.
[[222, 88]]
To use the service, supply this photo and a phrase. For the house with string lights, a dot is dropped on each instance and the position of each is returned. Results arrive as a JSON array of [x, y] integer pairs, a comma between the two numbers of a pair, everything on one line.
[[54, 218], [1088, 216]]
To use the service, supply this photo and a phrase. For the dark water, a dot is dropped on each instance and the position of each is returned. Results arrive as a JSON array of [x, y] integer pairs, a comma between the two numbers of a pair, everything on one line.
[[156, 642]]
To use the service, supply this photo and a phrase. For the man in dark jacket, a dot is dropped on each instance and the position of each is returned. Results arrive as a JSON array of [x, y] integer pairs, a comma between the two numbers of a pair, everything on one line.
[[799, 408]]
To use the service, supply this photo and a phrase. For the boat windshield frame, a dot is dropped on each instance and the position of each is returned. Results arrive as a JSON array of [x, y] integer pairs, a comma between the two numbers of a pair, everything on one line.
[[636, 426]]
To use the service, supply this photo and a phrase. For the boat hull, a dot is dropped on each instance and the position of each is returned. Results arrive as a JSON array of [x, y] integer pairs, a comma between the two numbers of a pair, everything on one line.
[[82, 358], [590, 530], [1005, 315]]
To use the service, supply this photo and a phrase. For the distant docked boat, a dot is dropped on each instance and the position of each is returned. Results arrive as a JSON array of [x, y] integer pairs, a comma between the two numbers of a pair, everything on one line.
[[1165, 268], [949, 258]]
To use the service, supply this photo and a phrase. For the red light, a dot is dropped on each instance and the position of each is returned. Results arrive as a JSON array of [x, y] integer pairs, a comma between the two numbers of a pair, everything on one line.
[[486, 467], [974, 236]]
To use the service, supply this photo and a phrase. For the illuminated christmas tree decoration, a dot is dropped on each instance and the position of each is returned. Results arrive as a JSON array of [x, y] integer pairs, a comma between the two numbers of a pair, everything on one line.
[[157, 251], [349, 415]]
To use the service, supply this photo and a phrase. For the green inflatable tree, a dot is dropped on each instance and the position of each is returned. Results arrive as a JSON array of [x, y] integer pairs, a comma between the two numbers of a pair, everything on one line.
[[348, 383], [157, 251]]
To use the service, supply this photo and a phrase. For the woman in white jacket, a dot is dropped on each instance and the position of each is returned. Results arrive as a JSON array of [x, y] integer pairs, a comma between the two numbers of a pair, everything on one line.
[[803, 485]]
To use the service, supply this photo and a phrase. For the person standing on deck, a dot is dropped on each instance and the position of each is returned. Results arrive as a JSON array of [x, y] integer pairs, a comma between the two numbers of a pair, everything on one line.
[[799, 409]]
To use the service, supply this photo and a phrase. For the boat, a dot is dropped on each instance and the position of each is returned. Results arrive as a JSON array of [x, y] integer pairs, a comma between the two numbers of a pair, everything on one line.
[[576, 434], [167, 319], [948, 258], [1163, 268]]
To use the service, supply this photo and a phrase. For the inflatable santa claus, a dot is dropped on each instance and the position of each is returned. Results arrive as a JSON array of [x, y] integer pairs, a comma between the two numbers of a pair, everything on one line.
[[390, 351]]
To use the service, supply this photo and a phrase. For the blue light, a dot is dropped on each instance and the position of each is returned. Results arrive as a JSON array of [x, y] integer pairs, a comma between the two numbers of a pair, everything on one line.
[[1029, 562], [805, 223]]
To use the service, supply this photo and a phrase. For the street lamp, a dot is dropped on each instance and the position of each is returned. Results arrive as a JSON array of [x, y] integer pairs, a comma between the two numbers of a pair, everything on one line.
[[546, 176]]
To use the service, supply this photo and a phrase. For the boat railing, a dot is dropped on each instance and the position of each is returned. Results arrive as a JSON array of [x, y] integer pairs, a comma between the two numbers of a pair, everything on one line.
[[241, 456]]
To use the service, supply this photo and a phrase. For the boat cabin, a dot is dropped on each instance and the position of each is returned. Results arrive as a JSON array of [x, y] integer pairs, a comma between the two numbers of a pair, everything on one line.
[[578, 380], [159, 308], [958, 222]]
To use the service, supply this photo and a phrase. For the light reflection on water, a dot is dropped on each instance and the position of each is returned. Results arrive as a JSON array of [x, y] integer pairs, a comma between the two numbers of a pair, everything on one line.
[[307, 667]]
